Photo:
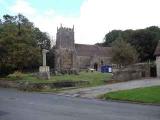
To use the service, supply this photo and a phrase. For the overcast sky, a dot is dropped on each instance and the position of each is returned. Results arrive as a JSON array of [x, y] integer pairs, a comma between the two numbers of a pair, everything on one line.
[[92, 18]]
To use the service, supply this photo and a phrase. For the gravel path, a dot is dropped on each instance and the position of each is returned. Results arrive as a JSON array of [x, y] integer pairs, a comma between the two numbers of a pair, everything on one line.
[[92, 92]]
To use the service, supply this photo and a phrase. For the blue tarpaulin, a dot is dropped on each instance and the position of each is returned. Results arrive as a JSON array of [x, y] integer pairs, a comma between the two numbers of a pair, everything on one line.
[[106, 69]]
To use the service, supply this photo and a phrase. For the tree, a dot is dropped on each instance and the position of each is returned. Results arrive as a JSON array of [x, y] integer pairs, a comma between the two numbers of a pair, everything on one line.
[[0, 21], [42, 39], [51, 58], [5, 68], [8, 19], [111, 37], [19, 44], [143, 40], [123, 53]]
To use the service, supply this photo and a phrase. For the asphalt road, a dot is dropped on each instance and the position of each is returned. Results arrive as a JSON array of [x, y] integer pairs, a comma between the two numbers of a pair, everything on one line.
[[16, 105]]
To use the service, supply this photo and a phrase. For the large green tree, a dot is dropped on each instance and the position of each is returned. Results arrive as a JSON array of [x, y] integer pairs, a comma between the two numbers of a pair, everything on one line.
[[20, 44], [42, 38], [143, 40], [123, 53], [111, 37]]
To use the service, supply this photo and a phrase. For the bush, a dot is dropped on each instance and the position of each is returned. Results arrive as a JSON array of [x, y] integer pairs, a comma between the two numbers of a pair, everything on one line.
[[6, 70], [16, 75]]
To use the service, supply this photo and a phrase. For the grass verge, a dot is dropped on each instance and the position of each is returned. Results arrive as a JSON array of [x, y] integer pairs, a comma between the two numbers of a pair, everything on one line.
[[143, 95]]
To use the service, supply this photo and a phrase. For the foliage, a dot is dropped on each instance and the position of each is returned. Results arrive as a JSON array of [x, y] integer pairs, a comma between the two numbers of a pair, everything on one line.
[[123, 53], [111, 36], [20, 44], [6, 69], [50, 58], [146, 95], [16, 75], [143, 40], [42, 38]]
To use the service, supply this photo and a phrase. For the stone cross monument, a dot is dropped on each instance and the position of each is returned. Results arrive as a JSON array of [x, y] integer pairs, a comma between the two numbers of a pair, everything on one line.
[[44, 51], [44, 71]]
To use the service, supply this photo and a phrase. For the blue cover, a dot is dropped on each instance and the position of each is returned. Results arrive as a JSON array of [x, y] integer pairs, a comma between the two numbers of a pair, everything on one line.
[[106, 69]]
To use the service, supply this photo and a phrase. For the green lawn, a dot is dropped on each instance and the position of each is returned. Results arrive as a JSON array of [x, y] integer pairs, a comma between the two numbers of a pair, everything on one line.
[[144, 95], [94, 78]]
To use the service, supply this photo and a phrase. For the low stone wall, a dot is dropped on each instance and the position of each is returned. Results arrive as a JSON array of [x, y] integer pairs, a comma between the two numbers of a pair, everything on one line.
[[132, 72], [6, 84], [39, 86]]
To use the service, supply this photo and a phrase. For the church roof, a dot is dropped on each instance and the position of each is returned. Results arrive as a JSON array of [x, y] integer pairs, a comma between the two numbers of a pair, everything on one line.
[[157, 51], [92, 50]]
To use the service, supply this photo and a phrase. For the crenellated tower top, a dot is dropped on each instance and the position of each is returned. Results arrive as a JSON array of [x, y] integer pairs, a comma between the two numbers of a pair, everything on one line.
[[65, 37]]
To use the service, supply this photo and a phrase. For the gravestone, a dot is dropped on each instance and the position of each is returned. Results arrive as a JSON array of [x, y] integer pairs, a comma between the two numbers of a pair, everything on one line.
[[44, 71]]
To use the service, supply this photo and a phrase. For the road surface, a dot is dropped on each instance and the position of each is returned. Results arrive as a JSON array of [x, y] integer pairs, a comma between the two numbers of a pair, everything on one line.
[[18, 105], [93, 92]]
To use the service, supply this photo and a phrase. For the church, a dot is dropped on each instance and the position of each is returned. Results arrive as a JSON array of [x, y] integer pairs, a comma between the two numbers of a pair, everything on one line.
[[72, 56]]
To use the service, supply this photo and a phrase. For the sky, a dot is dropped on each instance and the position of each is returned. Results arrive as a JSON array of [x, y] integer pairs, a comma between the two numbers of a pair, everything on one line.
[[92, 19]]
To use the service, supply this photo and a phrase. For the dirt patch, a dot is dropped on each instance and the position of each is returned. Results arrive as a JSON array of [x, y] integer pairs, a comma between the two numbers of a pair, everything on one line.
[[115, 81]]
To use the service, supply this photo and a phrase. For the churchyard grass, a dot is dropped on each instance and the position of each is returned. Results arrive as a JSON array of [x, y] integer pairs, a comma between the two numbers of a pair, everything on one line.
[[142, 95], [94, 78]]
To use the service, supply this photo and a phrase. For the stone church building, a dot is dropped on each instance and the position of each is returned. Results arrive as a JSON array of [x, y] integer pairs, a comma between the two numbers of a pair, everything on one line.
[[71, 56]]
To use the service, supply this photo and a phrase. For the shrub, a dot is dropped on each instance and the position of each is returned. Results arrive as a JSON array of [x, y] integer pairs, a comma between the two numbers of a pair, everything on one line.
[[16, 75], [6, 69]]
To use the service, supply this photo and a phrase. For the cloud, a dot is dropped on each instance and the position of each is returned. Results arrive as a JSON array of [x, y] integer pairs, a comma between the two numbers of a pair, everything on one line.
[[101, 16], [22, 6], [47, 20], [4, 5], [1, 1], [97, 17]]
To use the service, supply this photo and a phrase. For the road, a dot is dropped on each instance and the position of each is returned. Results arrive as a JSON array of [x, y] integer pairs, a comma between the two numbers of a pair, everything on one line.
[[18, 105], [93, 92]]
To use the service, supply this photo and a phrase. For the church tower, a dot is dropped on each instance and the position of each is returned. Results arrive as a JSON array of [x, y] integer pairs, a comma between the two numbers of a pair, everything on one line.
[[65, 56], [65, 38]]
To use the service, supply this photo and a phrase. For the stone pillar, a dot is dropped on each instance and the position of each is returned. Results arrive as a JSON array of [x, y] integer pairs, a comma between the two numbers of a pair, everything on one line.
[[44, 72], [44, 56], [158, 66]]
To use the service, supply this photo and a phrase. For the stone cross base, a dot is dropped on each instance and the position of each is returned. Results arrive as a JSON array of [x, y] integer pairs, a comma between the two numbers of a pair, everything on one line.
[[44, 69], [44, 72]]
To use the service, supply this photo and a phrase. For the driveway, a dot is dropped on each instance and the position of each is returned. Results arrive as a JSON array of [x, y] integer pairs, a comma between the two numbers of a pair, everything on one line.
[[93, 92], [17, 105]]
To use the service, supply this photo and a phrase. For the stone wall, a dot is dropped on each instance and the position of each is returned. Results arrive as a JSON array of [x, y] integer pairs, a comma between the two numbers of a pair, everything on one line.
[[65, 59], [132, 72], [85, 62], [42, 86], [158, 66]]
